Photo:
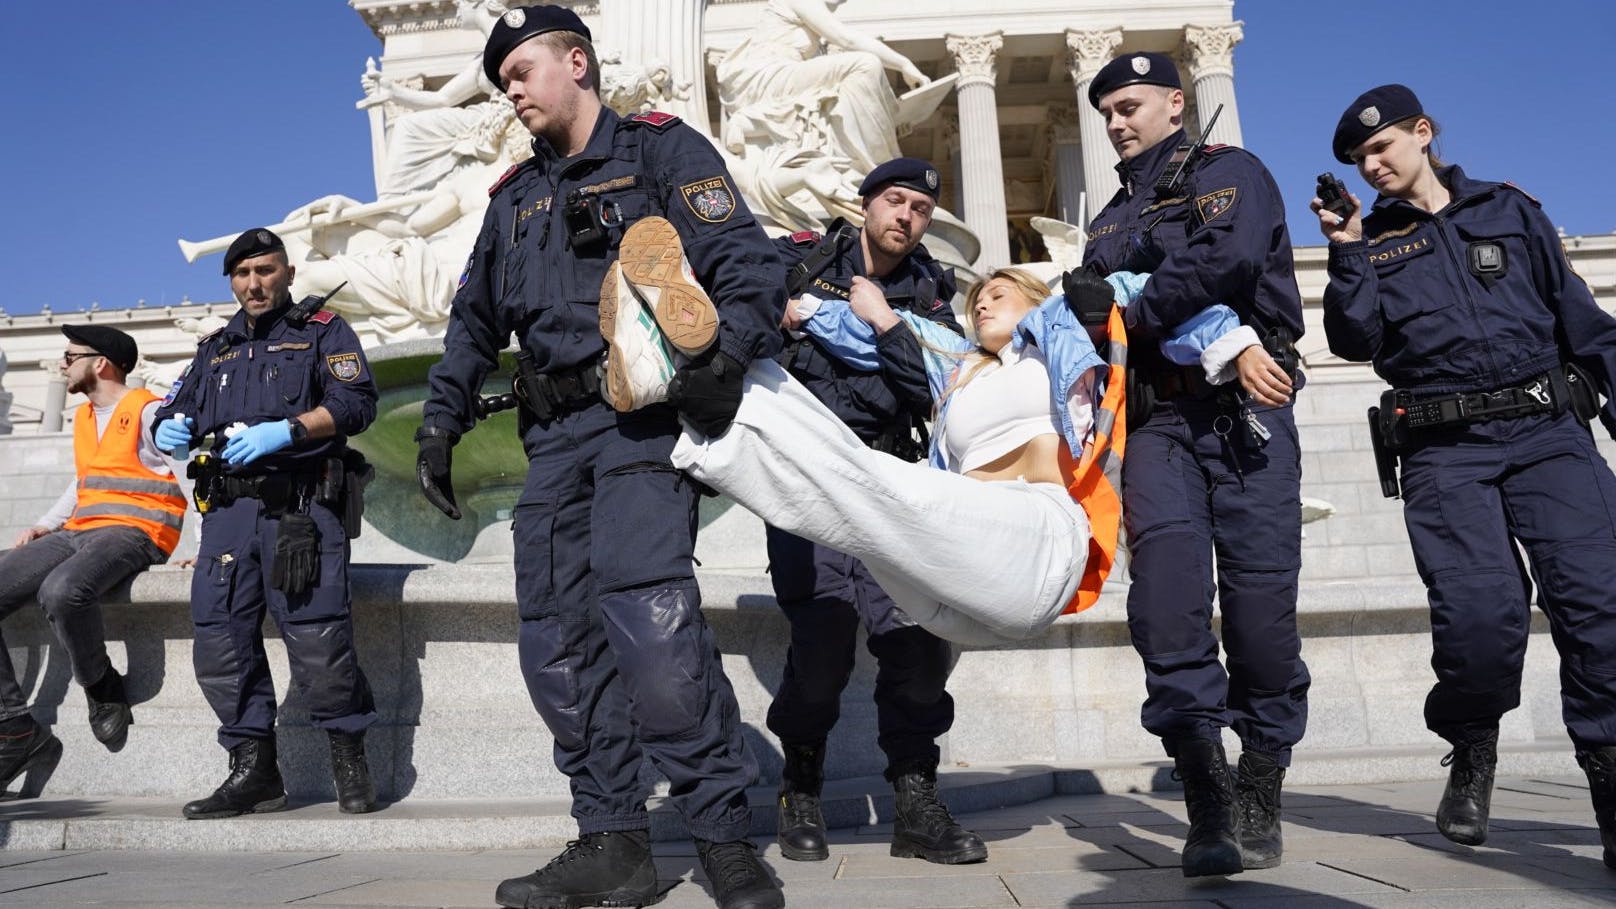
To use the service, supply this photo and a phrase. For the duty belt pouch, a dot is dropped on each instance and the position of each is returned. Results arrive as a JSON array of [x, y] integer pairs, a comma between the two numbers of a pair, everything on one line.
[[1578, 392], [356, 475]]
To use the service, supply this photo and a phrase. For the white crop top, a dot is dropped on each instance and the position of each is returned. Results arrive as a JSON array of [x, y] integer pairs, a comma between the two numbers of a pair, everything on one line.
[[1000, 409]]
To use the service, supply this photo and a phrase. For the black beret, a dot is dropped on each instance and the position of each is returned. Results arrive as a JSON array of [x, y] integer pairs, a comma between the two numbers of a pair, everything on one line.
[[522, 23], [1373, 111], [255, 242], [106, 341], [1140, 68], [910, 173]]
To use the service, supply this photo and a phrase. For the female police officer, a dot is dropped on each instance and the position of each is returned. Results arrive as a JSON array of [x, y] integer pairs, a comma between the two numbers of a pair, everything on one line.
[[1460, 294]]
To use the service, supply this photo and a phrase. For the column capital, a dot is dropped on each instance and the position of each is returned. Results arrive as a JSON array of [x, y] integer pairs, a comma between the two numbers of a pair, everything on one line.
[[1209, 49], [1089, 51], [1063, 126], [976, 57]]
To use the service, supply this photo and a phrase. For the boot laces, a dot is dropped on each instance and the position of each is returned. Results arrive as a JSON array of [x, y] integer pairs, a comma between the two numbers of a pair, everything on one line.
[[1202, 786], [348, 758], [1259, 803], [801, 809], [1469, 766], [576, 850], [731, 866], [928, 806]]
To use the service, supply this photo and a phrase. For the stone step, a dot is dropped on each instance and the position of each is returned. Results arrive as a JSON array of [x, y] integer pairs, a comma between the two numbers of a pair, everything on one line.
[[526, 823]]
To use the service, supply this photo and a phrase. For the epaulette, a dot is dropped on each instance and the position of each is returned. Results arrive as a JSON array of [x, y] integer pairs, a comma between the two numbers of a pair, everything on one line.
[[1529, 197], [324, 317], [804, 237], [1214, 149], [506, 177], [203, 339], [655, 119]]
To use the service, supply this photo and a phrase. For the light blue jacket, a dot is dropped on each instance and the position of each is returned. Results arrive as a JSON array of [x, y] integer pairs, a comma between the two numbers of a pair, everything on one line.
[[1052, 327]]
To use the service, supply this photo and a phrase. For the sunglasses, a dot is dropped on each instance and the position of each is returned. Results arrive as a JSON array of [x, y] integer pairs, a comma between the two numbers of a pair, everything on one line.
[[70, 357]]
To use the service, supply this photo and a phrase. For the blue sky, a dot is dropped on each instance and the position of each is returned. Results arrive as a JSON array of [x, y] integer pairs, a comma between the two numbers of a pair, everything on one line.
[[128, 124]]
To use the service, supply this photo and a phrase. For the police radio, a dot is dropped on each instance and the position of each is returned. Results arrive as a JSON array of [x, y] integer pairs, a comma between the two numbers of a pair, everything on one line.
[[1333, 193]]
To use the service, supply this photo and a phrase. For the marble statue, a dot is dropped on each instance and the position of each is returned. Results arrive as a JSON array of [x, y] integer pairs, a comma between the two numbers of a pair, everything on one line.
[[5, 399]]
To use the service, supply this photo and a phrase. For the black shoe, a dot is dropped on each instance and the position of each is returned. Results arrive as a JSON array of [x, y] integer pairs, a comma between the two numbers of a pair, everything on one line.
[[253, 786], [1600, 765], [27, 747], [351, 773], [110, 715], [1468, 798], [739, 879], [801, 826], [1257, 788], [596, 869], [1212, 846], [923, 827]]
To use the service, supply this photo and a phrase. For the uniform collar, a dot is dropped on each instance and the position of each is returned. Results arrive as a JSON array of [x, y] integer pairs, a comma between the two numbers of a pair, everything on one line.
[[1461, 188], [1143, 169], [598, 146], [236, 329]]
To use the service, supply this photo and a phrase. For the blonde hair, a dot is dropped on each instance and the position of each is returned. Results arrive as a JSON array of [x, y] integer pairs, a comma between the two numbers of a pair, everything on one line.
[[564, 42], [1020, 280], [1409, 125]]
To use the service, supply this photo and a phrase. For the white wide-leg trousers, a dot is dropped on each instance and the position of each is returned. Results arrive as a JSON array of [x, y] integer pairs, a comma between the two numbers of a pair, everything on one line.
[[973, 562]]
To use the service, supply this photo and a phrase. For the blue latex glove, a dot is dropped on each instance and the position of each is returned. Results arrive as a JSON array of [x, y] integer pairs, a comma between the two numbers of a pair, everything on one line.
[[174, 436], [254, 442]]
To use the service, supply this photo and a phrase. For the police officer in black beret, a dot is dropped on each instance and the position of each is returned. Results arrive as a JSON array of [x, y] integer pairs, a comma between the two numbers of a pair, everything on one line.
[[617, 657], [1210, 469], [1459, 292], [825, 594], [279, 389]]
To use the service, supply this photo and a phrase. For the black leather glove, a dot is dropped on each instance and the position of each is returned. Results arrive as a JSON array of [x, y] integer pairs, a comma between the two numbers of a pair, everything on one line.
[[1088, 296], [708, 392], [297, 555], [432, 468]]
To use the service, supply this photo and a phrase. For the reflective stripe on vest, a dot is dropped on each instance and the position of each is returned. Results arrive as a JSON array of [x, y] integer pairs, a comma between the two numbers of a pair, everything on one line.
[[114, 488], [1097, 479]]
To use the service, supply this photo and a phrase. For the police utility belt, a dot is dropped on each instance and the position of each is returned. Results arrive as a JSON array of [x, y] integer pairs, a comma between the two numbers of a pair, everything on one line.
[[337, 483], [544, 395], [1402, 419]]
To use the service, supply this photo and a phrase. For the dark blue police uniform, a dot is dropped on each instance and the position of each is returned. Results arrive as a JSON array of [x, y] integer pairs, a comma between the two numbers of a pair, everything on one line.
[[1422, 298], [270, 372], [1197, 480], [825, 593], [613, 646]]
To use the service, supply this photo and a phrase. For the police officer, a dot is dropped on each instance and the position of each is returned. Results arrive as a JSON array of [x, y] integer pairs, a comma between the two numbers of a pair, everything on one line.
[[616, 655], [825, 593], [279, 389], [1459, 292], [1210, 470]]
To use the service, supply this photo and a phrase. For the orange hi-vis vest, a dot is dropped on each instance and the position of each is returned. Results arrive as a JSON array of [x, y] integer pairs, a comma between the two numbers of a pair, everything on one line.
[[115, 488], [1096, 482]]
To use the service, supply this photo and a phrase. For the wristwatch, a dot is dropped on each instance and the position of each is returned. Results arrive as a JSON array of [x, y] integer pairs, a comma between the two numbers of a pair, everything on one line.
[[300, 433]]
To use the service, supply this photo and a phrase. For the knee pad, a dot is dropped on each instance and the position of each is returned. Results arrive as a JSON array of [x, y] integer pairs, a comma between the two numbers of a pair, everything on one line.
[[217, 666], [552, 656], [325, 667], [665, 654]]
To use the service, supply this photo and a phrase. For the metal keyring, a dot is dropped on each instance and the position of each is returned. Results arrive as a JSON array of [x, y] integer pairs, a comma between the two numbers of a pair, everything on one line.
[[1222, 424]]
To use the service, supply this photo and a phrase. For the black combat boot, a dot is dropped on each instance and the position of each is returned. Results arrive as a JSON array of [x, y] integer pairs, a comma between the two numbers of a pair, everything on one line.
[[1212, 846], [801, 830], [739, 879], [1600, 765], [253, 786], [1468, 798], [1257, 793], [351, 773], [596, 869], [923, 828], [27, 747], [110, 715]]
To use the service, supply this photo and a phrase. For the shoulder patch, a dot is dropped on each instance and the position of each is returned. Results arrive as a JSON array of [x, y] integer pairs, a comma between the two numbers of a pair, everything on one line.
[[506, 177], [804, 237], [655, 118], [1529, 197], [1215, 203], [324, 317]]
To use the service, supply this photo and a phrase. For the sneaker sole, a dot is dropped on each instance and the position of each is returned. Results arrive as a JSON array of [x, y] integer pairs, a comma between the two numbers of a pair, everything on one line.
[[650, 256], [36, 770], [619, 391], [907, 849]]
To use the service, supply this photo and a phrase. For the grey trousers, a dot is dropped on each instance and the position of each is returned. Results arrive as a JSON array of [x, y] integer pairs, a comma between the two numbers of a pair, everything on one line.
[[67, 572]]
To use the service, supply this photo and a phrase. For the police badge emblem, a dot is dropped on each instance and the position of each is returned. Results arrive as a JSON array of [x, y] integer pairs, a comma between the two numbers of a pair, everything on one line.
[[516, 18], [264, 238], [710, 200], [344, 366], [1213, 204], [931, 178], [1369, 116], [1141, 65]]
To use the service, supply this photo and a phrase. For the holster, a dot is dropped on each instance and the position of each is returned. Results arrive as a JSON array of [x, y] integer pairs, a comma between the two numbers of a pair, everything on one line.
[[341, 488], [546, 395], [1385, 455]]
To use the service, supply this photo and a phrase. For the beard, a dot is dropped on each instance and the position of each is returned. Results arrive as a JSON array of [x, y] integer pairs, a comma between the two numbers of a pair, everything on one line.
[[83, 386]]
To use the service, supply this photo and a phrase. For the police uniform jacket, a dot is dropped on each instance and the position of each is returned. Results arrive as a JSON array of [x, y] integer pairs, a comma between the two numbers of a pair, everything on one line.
[[525, 278], [1475, 297], [1222, 239], [273, 371], [872, 402]]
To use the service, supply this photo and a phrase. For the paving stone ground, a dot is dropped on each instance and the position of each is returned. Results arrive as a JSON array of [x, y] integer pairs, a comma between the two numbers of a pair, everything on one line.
[[1374, 847]]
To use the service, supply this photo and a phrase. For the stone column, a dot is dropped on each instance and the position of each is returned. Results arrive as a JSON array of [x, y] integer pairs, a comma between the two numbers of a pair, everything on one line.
[[55, 397], [1209, 49], [1066, 138], [666, 30], [1086, 53], [981, 162]]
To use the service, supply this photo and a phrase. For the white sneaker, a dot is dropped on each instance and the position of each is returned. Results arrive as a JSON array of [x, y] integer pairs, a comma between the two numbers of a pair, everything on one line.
[[639, 361], [654, 261]]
